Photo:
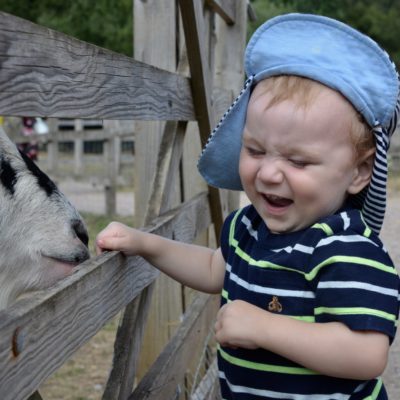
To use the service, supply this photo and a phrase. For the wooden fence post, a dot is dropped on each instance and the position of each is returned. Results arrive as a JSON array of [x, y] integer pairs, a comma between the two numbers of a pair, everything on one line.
[[110, 190], [78, 156], [52, 145]]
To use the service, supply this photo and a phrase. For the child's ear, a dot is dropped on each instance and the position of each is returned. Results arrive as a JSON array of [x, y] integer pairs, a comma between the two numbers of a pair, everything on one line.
[[362, 173]]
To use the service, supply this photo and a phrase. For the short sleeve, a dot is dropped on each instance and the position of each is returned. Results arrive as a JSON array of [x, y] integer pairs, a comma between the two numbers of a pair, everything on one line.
[[224, 239], [356, 284]]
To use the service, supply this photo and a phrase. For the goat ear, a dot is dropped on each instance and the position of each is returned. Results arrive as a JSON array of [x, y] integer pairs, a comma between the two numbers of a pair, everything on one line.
[[362, 173]]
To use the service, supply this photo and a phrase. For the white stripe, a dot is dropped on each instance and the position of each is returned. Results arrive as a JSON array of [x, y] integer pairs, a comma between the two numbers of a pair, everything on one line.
[[374, 212], [298, 247], [381, 174], [281, 395], [267, 290], [346, 220], [252, 232], [357, 285], [345, 239], [381, 158]]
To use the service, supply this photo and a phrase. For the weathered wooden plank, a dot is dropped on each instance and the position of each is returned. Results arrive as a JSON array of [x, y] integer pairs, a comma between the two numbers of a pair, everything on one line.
[[39, 333], [192, 18], [67, 136], [224, 8], [127, 347], [47, 73], [229, 68], [169, 157], [201, 80], [168, 371], [208, 388]]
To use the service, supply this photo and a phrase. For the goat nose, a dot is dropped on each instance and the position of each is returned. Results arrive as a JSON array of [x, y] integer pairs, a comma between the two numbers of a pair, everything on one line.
[[80, 231]]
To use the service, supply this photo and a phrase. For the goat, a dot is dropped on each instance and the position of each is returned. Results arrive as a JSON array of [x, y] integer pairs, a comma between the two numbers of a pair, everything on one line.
[[42, 235]]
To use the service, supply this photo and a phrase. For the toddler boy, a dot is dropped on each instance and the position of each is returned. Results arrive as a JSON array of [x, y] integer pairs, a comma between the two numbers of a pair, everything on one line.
[[310, 297]]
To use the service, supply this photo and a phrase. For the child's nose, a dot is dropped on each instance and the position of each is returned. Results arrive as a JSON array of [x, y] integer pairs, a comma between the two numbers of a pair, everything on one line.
[[270, 171]]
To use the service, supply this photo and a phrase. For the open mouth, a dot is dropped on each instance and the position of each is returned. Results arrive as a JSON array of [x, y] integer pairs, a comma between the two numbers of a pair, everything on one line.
[[276, 203], [60, 266]]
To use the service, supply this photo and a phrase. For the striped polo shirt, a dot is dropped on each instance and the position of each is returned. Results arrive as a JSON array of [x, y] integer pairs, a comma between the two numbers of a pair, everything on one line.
[[336, 270]]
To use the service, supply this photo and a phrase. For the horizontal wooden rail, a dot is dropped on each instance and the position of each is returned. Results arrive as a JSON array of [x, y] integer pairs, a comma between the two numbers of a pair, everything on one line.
[[40, 332], [45, 73], [66, 136]]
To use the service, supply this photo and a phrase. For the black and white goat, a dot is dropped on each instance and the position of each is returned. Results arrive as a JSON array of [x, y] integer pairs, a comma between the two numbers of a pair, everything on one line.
[[42, 236]]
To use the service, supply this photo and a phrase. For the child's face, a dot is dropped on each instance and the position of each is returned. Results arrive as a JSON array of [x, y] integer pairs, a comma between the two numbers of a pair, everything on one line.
[[298, 164]]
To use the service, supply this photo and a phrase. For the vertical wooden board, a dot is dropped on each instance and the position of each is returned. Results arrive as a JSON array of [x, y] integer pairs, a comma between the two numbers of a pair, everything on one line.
[[156, 47], [229, 68], [154, 43], [193, 183]]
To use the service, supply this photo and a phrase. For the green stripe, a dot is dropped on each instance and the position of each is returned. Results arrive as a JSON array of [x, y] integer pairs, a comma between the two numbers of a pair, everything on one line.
[[232, 241], [305, 318], [355, 311], [262, 263], [265, 367], [367, 232], [377, 389], [351, 260], [325, 227], [313, 273]]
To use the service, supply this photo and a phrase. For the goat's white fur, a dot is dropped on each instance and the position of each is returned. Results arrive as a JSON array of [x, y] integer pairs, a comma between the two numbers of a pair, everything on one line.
[[38, 243]]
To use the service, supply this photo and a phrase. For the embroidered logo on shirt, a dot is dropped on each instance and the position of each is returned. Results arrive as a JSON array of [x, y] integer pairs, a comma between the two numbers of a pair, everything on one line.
[[274, 305]]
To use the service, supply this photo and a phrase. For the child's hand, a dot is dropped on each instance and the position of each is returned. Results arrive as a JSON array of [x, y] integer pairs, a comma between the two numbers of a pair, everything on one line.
[[117, 236], [236, 324]]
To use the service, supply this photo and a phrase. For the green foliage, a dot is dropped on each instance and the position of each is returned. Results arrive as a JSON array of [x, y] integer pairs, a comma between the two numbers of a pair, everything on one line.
[[106, 23], [378, 19]]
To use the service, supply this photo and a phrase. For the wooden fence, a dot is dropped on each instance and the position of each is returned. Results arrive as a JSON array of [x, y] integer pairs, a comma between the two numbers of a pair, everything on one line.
[[44, 73], [110, 136]]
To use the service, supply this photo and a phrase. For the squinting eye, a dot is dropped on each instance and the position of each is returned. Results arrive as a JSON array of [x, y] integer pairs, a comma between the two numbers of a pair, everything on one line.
[[299, 163], [254, 152]]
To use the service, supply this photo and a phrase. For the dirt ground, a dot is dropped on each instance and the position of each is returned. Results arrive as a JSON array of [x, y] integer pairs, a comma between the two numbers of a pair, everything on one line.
[[79, 371]]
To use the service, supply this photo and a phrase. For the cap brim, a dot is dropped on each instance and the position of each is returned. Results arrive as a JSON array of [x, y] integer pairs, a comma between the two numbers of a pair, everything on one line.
[[219, 161]]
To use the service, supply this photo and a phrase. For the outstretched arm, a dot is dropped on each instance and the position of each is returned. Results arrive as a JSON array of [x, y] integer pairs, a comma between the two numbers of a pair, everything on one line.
[[198, 267], [328, 348]]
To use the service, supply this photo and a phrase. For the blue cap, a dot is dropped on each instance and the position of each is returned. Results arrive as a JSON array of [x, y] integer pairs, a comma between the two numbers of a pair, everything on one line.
[[327, 51]]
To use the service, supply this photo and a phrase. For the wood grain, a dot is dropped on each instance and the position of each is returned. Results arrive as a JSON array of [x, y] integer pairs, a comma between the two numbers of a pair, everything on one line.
[[47, 73]]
